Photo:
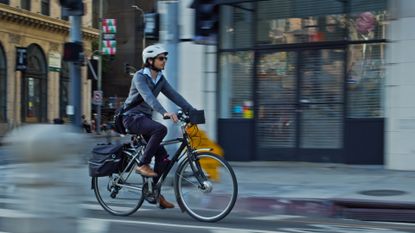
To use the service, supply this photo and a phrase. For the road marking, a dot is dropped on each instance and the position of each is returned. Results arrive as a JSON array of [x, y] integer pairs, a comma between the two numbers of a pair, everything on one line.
[[320, 228], [215, 229], [8, 213], [87, 225], [274, 217], [98, 207], [10, 201]]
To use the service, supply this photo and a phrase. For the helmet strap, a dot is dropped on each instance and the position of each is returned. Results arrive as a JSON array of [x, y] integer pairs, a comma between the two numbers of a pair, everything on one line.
[[152, 67]]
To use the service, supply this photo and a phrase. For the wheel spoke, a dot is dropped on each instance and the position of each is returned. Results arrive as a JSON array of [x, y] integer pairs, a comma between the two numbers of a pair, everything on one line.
[[119, 194], [219, 197]]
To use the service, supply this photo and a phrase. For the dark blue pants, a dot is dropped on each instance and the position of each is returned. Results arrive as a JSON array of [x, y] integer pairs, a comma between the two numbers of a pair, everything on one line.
[[153, 132]]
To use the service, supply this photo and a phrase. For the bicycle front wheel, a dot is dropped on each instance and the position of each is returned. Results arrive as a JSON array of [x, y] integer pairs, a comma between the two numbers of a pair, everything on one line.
[[212, 197], [119, 194]]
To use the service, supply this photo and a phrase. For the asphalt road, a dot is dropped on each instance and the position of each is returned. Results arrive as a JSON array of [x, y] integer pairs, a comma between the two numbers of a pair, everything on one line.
[[151, 219], [93, 219]]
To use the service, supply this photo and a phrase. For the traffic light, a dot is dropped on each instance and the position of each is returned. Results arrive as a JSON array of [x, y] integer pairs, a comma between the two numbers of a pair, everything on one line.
[[72, 7], [73, 51], [206, 21]]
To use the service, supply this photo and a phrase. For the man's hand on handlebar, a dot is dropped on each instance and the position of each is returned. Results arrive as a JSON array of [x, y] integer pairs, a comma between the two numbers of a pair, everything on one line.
[[172, 116]]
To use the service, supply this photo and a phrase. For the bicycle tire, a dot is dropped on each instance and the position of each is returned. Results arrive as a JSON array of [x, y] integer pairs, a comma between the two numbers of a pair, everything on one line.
[[126, 201], [216, 195]]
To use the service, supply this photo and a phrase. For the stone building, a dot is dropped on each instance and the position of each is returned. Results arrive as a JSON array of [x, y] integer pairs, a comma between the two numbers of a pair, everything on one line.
[[38, 93]]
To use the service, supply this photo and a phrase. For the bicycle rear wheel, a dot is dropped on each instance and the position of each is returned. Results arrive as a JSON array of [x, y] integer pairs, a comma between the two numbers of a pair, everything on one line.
[[213, 200], [118, 195]]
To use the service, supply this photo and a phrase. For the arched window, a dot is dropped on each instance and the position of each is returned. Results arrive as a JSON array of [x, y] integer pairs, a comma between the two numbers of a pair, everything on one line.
[[3, 85], [34, 86]]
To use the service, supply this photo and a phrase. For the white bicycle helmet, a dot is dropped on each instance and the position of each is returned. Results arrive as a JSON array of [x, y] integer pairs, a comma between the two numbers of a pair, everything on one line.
[[153, 51]]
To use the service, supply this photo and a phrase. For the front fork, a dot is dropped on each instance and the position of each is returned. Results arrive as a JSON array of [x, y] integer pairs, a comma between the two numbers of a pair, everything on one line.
[[197, 168]]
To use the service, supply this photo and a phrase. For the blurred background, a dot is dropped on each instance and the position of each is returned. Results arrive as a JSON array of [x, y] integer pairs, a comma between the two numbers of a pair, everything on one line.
[[320, 81]]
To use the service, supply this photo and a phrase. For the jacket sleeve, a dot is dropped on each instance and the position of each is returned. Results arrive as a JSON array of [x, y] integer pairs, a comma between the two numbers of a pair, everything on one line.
[[174, 96], [148, 96]]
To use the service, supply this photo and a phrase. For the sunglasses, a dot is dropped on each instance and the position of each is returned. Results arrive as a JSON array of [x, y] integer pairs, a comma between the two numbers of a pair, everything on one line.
[[161, 58]]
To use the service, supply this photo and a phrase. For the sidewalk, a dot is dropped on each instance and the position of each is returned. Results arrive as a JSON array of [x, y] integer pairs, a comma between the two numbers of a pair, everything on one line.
[[366, 192], [330, 190]]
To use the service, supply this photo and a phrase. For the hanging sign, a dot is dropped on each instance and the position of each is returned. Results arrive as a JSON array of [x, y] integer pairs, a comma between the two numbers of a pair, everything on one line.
[[55, 61], [21, 58], [109, 44]]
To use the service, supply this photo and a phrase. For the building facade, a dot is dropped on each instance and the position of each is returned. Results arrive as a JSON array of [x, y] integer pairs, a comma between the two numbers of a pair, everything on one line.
[[129, 39], [302, 80], [34, 81]]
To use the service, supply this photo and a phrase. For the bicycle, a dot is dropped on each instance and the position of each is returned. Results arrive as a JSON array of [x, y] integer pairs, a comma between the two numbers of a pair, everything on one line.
[[201, 193]]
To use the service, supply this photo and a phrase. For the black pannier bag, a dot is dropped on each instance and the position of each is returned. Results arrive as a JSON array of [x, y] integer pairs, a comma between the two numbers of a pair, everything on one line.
[[106, 160], [118, 125]]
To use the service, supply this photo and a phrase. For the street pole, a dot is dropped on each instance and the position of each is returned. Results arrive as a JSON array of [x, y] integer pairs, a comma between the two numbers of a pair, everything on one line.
[[170, 40], [99, 82], [75, 73], [143, 25]]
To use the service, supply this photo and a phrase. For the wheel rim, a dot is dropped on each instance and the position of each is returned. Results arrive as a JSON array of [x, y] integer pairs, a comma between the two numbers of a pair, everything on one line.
[[119, 200], [217, 199]]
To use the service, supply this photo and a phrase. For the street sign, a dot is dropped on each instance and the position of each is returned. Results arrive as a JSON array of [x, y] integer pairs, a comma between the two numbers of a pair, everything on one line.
[[55, 61], [151, 29], [97, 98]]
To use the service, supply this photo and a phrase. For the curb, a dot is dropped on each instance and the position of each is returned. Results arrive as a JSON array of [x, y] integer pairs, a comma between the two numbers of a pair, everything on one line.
[[330, 208], [375, 211]]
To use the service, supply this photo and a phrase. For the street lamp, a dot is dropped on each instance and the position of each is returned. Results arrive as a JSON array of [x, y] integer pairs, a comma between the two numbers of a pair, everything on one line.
[[144, 23]]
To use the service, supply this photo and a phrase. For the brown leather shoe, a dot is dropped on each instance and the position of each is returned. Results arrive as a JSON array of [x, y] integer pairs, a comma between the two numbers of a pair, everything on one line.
[[164, 204], [146, 170]]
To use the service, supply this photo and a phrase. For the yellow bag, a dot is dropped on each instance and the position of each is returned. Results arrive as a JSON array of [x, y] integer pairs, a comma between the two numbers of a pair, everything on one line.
[[198, 140]]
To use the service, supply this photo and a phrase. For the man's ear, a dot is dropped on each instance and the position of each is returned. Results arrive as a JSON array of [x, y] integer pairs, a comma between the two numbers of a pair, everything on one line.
[[150, 61]]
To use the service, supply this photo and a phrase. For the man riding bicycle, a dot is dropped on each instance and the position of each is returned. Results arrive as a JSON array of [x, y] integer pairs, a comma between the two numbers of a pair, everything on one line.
[[146, 84]]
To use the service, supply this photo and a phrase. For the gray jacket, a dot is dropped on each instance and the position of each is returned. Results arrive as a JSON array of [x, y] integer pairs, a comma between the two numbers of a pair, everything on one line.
[[142, 88]]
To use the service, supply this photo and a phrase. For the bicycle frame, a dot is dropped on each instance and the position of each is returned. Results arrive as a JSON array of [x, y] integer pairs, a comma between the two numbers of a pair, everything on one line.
[[183, 149]]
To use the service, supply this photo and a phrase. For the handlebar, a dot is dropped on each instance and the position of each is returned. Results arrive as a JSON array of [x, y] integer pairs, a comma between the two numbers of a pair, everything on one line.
[[194, 116], [183, 117]]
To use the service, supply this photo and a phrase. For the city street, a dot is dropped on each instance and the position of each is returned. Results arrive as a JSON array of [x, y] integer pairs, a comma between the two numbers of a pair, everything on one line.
[[251, 214], [150, 219]]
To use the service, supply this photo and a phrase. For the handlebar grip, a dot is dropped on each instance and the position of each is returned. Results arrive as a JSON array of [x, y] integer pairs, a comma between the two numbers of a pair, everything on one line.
[[166, 117]]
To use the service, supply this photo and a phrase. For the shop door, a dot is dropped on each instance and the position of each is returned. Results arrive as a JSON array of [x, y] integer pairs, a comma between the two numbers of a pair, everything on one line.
[[300, 102]]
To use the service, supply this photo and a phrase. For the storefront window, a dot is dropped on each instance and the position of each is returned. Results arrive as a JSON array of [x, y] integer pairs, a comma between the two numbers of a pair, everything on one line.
[[299, 21], [321, 98], [366, 74], [236, 84], [367, 19], [3, 85], [277, 85], [34, 86], [236, 26]]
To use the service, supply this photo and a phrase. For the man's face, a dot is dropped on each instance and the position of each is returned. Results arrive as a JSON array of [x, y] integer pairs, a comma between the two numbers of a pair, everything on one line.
[[160, 61]]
